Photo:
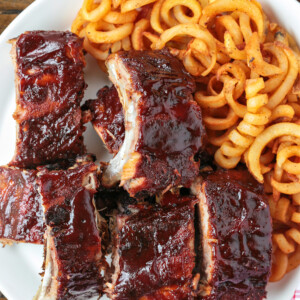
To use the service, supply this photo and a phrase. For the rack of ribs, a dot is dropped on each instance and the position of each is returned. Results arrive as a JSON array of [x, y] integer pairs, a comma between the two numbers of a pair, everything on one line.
[[236, 236], [73, 246], [163, 124], [49, 88], [153, 254], [107, 118], [21, 213]]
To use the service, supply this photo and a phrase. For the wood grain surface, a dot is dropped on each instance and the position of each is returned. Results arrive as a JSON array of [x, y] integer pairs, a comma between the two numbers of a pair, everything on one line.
[[9, 9]]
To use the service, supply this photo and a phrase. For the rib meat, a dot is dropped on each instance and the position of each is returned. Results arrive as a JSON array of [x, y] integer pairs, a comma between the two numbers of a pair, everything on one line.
[[236, 236], [173, 197], [73, 254], [21, 214], [108, 118], [49, 88], [154, 253], [163, 125]]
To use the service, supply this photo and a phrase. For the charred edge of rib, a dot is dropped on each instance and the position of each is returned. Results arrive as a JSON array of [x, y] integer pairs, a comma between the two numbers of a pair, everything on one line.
[[197, 243], [114, 270]]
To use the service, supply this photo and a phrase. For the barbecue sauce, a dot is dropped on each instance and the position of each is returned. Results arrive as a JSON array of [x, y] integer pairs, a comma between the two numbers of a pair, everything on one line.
[[156, 252], [240, 221], [50, 85], [108, 118], [72, 226], [21, 214], [171, 125]]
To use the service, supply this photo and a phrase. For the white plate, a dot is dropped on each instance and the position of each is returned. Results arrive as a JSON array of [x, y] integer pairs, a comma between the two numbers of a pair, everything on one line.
[[20, 265]]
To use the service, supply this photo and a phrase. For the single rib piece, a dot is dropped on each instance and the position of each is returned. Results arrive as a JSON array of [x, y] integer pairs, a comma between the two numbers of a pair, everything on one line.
[[154, 253], [21, 214], [236, 230], [49, 88], [73, 255], [163, 125], [108, 118]]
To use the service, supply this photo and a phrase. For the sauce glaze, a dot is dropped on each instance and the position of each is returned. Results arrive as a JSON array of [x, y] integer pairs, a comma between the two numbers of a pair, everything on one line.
[[49, 87]]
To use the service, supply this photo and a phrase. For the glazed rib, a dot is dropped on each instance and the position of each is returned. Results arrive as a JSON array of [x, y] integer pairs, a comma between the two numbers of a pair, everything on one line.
[[173, 198], [154, 253], [108, 118], [49, 88], [21, 213], [73, 249], [236, 236], [163, 125]]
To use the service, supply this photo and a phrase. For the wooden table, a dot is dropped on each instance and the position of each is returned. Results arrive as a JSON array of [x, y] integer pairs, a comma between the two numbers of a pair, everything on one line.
[[9, 9]]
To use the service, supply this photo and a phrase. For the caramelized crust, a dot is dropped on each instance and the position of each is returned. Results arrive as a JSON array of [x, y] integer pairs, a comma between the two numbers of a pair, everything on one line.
[[173, 197], [21, 214], [73, 254], [49, 88], [164, 128], [236, 230], [154, 253], [108, 118], [52, 138]]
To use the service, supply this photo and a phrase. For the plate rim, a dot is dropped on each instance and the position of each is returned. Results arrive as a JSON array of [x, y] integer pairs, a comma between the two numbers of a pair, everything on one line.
[[5, 36]]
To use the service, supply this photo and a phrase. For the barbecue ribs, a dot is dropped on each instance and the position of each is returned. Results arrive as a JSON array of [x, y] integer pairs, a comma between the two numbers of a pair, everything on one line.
[[73, 247], [236, 236], [153, 253], [21, 213], [108, 118], [163, 125], [49, 88]]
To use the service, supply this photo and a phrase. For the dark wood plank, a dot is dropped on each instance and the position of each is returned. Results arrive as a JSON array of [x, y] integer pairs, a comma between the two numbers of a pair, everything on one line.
[[5, 20], [9, 9], [14, 4]]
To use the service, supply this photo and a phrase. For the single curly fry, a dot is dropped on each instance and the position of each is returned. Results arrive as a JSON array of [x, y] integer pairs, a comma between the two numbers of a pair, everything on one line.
[[97, 13], [255, 59], [168, 5], [263, 139], [279, 265], [282, 159]]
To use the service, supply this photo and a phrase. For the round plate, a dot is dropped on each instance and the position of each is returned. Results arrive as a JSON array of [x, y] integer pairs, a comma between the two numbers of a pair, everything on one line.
[[21, 264]]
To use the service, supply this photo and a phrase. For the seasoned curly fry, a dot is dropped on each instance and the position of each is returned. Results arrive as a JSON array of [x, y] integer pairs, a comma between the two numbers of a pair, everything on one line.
[[255, 117], [263, 139], [97, 13], [167, 6], [255, 59]]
